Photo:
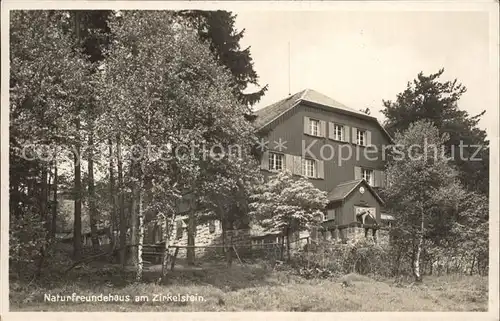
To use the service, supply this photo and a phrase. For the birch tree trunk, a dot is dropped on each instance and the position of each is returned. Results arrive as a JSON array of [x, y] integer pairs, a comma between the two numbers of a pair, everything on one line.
[[288, 244], [416, 262], [92, 196], [112, 195], [228, 241], [133, 225], [43, 217], [43, 198], [223, 237], [121, 197], [141, 228], [77, 224], [166, 252], [191, 236], [53, 225]]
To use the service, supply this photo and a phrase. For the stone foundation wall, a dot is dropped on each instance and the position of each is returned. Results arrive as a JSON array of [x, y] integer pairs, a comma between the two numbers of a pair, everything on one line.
[[209, 234], [354, 234], [205, 237]]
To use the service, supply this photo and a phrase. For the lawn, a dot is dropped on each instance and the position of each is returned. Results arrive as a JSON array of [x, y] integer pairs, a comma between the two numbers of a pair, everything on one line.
[[251, 287]]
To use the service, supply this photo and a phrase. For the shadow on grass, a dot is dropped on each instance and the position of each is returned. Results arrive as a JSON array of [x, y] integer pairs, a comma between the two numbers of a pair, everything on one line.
[[101, 275]]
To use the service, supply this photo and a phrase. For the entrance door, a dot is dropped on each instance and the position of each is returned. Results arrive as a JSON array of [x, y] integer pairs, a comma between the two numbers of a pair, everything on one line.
[[365, 215]]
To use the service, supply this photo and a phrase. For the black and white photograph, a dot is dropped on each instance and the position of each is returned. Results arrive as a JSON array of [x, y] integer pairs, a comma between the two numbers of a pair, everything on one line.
[[224, 158]]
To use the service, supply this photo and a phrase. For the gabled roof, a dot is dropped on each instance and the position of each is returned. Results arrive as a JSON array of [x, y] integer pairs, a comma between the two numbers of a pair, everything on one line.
[[267, 115], [343, 190]]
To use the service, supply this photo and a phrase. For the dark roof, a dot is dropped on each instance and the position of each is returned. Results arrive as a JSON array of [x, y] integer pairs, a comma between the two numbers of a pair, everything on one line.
[[346, 188], [268, 114], [342, 190]]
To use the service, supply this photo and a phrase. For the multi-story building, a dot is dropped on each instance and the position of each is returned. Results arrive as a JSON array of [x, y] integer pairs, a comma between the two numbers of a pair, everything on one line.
[[339, 149]]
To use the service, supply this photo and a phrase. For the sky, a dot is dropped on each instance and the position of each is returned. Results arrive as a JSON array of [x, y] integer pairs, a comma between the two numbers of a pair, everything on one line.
[[361, 58]]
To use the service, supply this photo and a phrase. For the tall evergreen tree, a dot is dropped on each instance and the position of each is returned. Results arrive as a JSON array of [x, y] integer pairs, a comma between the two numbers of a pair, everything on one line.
[[218, 29], [428, 98]]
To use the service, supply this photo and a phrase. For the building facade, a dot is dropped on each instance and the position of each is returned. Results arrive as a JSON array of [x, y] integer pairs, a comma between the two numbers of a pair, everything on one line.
[[339, 149]]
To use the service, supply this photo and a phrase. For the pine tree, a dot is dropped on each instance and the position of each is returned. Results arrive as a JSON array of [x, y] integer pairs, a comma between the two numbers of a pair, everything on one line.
[[428, 98], [218, 29]]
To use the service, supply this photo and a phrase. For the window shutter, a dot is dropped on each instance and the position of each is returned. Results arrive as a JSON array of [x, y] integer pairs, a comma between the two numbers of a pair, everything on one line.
[[347, 134], [377, 180], [330, 214], [289, 163], [264, 163], [331, 130], [320, 169], [306, 125], [368, 138], [382, 179], [322, 128], [297, 165], [357, 172], [353, 136]]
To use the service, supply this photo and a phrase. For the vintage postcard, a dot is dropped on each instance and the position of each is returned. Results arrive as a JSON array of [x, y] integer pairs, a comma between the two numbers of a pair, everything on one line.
[[250, 157]]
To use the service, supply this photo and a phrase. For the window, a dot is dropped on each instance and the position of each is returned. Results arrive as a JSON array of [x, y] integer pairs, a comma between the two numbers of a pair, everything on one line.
[[361, 137], [275, 162], [211, 227], [367, 175], [338, 132], [314, 127], [309, 167], [330, 214]]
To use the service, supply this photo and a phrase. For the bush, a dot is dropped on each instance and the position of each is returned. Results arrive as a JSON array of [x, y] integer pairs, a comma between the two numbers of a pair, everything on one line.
[[27, 237], [332, 260]]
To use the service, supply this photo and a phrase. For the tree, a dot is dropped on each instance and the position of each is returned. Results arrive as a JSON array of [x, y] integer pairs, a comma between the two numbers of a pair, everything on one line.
[[224, 187], [428, 98], [468, 238], [48, 80], [162, 91], [423, 189], [287, 205], [218, 29], [92, 38]]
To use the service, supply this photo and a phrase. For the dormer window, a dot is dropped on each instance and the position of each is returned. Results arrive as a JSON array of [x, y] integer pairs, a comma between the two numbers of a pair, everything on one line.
[[314, 127], [361, 137]]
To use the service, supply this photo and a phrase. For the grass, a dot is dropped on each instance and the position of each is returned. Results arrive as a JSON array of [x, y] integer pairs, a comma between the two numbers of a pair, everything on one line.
[[254, 288]]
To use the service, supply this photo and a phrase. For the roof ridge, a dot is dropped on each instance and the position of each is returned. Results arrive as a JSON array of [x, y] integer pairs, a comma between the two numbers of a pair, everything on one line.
[[350, 182], [304, 92]]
